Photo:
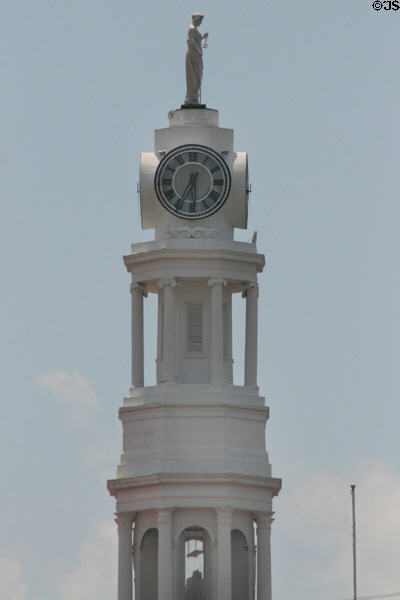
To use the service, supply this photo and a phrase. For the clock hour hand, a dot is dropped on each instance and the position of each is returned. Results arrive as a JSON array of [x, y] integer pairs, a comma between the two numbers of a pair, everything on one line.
[[188, 188]]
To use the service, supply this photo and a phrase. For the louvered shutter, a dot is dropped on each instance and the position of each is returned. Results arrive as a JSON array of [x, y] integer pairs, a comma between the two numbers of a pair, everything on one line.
[[194, 327]]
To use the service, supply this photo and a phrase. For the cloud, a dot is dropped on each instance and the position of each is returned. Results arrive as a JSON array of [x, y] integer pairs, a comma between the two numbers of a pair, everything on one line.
[[95, 577], [11, 585], [73, 390], [317, 517]]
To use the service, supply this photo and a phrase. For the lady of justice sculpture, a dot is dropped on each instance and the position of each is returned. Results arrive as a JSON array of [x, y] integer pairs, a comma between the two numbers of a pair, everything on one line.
[[194, 61]]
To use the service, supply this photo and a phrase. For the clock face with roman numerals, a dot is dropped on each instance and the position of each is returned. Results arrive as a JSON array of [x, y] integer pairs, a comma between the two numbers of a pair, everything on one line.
[[192, 181]]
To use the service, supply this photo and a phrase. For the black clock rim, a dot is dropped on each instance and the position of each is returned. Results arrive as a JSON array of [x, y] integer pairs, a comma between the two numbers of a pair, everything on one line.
[[167, 157]]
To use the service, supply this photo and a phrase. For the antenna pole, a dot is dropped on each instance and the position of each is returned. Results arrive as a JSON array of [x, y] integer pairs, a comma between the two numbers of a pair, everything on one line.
[[353, 504]]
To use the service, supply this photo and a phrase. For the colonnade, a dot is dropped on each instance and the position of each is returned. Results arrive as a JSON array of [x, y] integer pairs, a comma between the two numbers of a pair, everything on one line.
[[168, 551], [169, 342]]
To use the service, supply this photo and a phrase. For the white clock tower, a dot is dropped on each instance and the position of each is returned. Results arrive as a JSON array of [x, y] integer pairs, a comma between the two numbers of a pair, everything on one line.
[[194, 485]]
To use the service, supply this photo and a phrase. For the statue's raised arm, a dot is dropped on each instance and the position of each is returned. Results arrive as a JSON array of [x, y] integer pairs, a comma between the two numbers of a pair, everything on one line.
[[194, 60]]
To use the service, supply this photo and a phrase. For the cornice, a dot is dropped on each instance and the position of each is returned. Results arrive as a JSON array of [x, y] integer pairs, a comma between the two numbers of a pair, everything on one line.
[[203, 406], [273, 484], [195, 253]]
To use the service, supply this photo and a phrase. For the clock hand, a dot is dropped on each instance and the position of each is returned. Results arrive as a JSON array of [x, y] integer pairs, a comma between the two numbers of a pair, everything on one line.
[[188, 188], [193, 191], [182, 199]]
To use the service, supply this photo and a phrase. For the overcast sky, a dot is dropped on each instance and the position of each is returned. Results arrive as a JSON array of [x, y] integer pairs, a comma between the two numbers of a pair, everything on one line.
[[312, 89]]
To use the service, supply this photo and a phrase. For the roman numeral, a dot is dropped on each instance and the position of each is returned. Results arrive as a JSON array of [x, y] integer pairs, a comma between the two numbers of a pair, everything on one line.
[[215, 169], [218, 182], [214, 195], [179, 159], [167, 181], [193, 156], [169, 194]]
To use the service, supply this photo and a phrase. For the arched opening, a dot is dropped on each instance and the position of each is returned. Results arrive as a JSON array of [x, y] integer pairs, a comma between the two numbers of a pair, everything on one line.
[[196, 544], [149, 565], [240, 566]]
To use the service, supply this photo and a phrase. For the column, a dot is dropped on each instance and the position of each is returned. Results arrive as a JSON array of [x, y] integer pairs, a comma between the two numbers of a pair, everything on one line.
[[165, 580], [160, 333], [214, 572], [209, 561], [136, 562], [179, 568], [264, 522], [250, 292], [124, 522], [138, 290], [169, 334], [252, 563], [224, 554], [216, 338]]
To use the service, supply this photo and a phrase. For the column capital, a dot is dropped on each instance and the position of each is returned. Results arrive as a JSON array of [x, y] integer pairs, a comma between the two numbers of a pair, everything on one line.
[[125, 520], [164, 515], [216, 281], [140, 287], [250, 285], [168, 282], [224, 515], [264, 520]]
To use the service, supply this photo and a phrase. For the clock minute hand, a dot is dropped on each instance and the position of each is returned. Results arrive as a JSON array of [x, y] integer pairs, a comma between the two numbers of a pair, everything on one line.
[[185, 193], [193, 190]]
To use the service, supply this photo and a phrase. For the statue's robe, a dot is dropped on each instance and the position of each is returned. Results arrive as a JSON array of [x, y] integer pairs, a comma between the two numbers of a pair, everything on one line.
[[194, 66]]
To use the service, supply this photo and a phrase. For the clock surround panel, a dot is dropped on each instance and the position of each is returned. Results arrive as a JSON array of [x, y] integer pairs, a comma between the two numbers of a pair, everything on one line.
[[192, 181]]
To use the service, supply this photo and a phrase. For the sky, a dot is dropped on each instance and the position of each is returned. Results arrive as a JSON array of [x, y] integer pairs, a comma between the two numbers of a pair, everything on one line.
[[311, 88]]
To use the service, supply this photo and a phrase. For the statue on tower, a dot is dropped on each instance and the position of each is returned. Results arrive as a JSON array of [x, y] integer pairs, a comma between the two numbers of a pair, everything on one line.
[[194, 60], [195, 587]]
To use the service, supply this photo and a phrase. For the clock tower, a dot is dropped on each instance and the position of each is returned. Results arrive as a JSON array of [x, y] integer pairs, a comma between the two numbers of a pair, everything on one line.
[[194, 487]]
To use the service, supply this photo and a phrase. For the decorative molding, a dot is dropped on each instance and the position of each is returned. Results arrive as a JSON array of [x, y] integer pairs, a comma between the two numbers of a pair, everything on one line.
[[187, 232], [264, 521], [168, 282], [216, 281], [164, 516], [270, 485], [224, 515], [125, 521], [140, 287], [249, 286]]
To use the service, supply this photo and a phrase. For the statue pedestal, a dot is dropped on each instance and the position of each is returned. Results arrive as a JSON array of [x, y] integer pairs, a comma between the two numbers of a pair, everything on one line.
[[193, 114], [193, 106]]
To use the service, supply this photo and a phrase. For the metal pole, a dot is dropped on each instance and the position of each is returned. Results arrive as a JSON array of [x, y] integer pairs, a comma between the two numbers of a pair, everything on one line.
[[353, 503]]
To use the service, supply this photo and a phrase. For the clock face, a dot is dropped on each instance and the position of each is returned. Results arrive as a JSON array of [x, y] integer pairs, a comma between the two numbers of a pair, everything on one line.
[[192, 181]]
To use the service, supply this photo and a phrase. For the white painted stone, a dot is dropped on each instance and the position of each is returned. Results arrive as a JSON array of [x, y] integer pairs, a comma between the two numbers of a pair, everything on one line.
[[124, 522], [137, 291], [195, 126], [194, 460], [193, 116]]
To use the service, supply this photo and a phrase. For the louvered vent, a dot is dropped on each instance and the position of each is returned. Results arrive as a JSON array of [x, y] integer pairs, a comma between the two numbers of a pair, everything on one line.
[[194, 327]]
